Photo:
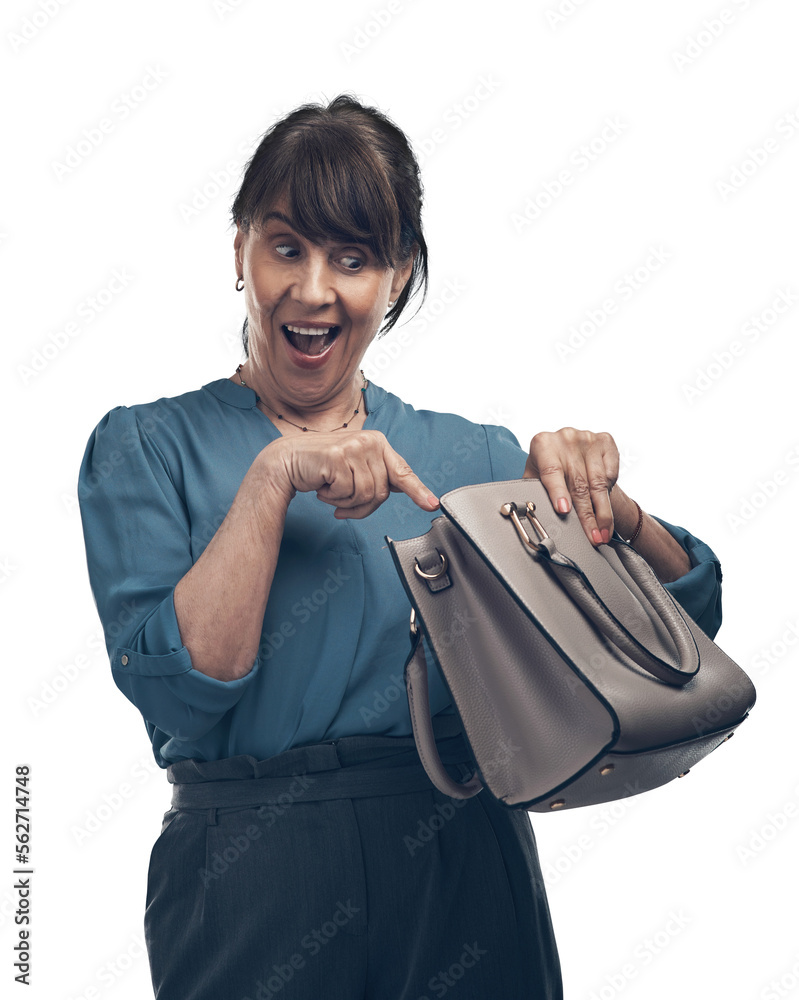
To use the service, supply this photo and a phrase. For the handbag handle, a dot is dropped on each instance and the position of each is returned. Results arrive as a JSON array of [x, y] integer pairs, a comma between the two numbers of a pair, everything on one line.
[[419, 705], [583, 594]]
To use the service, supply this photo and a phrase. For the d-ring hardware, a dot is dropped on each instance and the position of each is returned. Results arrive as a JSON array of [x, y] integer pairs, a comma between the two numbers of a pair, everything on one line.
[[431, 576], [511, 510]]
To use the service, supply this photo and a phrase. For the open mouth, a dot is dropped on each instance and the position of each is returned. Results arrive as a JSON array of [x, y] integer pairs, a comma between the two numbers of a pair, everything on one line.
[[309, 341]]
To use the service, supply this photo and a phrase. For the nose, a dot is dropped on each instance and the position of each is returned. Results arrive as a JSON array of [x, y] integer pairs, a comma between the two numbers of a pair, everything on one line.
[[313, 284]]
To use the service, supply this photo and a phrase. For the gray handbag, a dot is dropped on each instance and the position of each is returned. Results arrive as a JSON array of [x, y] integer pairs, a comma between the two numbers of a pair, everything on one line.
[[577, 678]]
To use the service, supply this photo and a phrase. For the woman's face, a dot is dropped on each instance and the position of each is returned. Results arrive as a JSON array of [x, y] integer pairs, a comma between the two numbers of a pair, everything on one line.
[[291, 285]]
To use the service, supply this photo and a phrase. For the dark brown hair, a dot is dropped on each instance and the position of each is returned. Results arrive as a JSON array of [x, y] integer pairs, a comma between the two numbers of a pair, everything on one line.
[[347, 173]]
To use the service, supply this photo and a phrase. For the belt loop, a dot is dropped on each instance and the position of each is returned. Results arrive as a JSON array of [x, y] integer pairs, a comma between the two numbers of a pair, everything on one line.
[[212, 816]]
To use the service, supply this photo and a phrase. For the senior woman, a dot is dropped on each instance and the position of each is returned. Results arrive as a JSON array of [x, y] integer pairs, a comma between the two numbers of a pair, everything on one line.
[[236, 551]]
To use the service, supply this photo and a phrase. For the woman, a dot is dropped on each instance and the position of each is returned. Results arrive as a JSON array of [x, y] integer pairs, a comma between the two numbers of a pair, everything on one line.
[[262, 634]]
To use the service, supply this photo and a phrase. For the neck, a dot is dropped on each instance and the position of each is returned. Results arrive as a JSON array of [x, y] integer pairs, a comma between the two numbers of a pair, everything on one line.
[[324, 417]]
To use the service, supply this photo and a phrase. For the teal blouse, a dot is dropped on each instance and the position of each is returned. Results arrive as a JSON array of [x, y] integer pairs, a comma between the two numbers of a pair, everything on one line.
[[156, 481]]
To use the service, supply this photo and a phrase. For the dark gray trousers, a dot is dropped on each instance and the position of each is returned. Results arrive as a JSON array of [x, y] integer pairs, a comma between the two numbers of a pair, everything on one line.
[[337, 871]]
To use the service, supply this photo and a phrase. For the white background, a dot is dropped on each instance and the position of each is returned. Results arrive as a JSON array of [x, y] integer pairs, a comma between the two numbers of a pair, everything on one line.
[[699, 96]]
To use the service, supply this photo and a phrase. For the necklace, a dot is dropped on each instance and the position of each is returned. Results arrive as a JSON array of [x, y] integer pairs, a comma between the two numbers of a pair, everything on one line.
[[281, 417]]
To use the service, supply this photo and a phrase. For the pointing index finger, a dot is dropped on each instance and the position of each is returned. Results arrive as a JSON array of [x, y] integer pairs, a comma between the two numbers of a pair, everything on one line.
[[402, 479]]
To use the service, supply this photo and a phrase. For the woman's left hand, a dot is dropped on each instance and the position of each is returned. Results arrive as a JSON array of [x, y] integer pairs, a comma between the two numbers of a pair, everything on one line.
[[581, 468]]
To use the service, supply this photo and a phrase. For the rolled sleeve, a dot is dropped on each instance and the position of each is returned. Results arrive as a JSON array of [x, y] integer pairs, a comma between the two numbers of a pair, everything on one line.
[[138, 546], [699, 590]]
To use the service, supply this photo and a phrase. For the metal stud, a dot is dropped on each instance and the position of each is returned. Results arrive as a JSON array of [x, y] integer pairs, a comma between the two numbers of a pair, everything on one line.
[[557, 804], [684, 773], [607, 769]]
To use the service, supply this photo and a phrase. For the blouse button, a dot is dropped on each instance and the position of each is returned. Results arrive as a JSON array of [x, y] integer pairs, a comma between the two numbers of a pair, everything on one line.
[[124, 660]]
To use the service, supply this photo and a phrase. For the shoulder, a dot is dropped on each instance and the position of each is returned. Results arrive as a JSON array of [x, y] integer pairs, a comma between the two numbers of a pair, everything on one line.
[[462, 450], [402, 417], [168, 419]]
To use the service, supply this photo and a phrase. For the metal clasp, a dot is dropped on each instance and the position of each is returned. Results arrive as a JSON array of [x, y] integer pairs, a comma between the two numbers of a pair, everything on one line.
[[511, 510], [413, 626], [431, 576]]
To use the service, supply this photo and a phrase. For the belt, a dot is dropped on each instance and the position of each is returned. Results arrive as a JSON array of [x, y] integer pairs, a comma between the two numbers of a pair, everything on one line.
[[348, 767]]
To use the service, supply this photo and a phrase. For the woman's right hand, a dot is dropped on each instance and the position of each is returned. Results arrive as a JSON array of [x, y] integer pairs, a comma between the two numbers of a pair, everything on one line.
[[354, 472]]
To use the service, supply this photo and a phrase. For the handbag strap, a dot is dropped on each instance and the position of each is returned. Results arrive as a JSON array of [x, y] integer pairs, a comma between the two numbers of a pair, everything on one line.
[[419, 705], [586, 598]]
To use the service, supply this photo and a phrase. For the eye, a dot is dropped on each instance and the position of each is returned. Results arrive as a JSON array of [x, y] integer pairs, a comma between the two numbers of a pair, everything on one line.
[[352, 263], [292, 251]]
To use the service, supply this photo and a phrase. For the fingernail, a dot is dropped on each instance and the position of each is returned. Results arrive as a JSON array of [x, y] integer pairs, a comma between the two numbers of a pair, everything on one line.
[[605, 535], [563, 505], [596, 536], [431, 499]]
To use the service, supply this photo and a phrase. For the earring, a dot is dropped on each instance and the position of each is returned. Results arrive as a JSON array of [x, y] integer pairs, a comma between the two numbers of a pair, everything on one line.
[[391, 304], [237, 284]]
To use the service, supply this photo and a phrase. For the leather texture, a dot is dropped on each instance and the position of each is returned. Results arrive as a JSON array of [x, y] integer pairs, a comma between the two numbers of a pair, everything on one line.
[[577, 677]]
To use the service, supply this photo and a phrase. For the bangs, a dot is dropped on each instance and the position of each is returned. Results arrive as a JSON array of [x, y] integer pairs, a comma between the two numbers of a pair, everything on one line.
[[335, 188]]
